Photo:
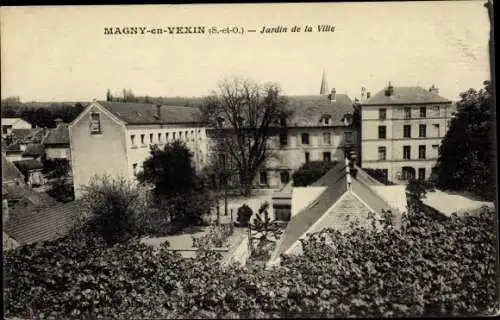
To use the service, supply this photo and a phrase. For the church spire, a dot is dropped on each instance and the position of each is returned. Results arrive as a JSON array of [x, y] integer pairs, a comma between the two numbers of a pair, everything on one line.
[[324, 85]]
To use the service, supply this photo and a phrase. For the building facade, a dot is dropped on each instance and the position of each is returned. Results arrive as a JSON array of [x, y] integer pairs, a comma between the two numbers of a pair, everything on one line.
[[401, 131], [56, 142], [113, 138], [9, 124]]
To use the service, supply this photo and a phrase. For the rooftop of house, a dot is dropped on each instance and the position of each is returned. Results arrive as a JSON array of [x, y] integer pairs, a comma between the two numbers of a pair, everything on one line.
[[48, 224], [13, 148], [405, 95], [10, 173], [144, 113], [309, 110], [335, 184], [25, 165], [34, 150], [448, 202], [57, 136], [11, 121]]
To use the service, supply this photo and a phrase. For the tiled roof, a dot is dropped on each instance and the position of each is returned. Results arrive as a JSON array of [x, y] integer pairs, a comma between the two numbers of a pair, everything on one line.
[[28, 164], [405, 95], [34, 150], [58, 135], [23, 133], [14, 191], [309, 109], [143, 113], [48, 224], [9, 171], [13, 148], [8, 242]]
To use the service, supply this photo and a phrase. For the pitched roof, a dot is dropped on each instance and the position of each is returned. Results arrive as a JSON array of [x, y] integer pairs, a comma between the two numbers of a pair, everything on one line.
[[405, 95], [58, 135], [448, 202], [11, 121], [24, 133], [28, 164], [145, 113], [34, 150], [8, 242], [48, 224], [9, 171], [309, 109], [13, 148]]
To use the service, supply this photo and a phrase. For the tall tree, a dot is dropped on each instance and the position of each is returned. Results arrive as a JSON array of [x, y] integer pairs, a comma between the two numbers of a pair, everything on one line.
[[466, 156], [245, 115]]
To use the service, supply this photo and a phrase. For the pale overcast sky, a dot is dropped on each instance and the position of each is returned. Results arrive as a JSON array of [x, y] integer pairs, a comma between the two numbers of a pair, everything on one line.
[[61, 53]]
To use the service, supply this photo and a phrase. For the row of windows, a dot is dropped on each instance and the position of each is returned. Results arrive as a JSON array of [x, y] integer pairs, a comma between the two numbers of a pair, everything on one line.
[[382, 112], [305, 138], [187, 135], [382, 152], [422, 131], [406, 174], [284, 177]]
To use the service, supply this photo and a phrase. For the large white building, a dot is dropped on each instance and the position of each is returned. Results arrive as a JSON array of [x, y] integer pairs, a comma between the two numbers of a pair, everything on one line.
[[114, 137]]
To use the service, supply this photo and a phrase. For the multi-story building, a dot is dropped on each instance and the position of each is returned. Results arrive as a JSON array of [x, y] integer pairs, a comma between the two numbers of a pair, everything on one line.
[[318, 129], [401, 130], [113, 138]]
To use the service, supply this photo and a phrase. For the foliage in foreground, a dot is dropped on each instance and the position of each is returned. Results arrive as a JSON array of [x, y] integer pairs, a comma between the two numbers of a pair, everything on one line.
[[310, 172], [428, 268]]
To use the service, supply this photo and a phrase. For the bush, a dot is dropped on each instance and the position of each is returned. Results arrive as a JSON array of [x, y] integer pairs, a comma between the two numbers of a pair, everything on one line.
[[427, 268], [244, 215], [310, 172]]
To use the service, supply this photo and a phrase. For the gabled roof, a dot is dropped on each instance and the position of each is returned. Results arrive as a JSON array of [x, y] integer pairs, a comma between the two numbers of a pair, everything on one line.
[[144, 113], [58, 135], [34, 150], [48, 224], [24, 133], [10, 172], [448, 202], [11, 121], [307, 110], [25, 165], [13, 148], [405, 95]]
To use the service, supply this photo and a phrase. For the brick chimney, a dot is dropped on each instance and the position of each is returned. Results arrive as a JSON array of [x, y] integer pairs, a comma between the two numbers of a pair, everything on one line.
[[434, 89], [333, 95], [363, 93], [390, 90]]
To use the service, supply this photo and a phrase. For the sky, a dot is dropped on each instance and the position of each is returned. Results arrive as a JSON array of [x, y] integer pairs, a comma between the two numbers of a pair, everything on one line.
[[62, 53]]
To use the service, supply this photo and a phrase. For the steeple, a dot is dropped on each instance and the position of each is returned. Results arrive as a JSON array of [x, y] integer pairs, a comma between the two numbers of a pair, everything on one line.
[[324, 85]]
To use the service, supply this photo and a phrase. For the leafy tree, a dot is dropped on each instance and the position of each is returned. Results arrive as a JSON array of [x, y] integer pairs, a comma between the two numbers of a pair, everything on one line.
[[310, 172], [245, 116], [467, 154], [243, 215]]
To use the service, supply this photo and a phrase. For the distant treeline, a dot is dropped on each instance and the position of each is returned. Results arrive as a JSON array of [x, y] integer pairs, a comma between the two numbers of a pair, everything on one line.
[[128, 96]]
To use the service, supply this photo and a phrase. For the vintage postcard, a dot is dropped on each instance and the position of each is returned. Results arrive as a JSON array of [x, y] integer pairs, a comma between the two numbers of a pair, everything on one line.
[[249, 160]]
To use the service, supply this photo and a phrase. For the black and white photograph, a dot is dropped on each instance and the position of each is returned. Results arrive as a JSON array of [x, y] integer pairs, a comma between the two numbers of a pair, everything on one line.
[[243, 161]]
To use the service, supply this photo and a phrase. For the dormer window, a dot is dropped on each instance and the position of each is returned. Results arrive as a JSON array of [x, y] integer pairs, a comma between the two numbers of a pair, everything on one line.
[[347, 119], [326, 120], [95, 123]]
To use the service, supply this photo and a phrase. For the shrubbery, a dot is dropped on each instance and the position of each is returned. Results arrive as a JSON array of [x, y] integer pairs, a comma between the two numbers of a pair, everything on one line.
[[428, 268], [310, 172], [244, 215]]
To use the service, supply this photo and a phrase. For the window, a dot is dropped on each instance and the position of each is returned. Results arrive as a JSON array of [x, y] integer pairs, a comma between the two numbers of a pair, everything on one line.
[[180, 135], [150, 138], [348, 137], [166, 136], [192, 134], [381, 132], [95, 123], [382, 154], [423, 112], [385, 172], [142, 139], [307, 156], [159, 137], [407, 131], [173, 135], [422, 131], [421, 152], [327, 121], [436, 111], [263, 177], [436, 129], [421, 173], [134, 168], [382, 114], [132, 140], [435, 146], [407, 113], [186, 135], [406, 152], [327, 156], [283, 139], [285, 177], [327, 138], [305, 138]]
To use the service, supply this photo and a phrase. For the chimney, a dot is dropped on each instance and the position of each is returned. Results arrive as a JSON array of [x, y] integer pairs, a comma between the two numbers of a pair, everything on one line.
[[333, 95], [390, 90], [434, 89], [368, 95], [158, 111], [363, 93]]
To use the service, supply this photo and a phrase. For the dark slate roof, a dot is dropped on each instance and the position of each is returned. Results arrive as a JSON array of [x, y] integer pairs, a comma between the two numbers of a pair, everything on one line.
[[336, 183], [58, 135], [48, 224], [34, 150], [28, 164], [309, 109], [405, 95], [23, 133], [369, 196], [9, 171], [144, 113], [13, 148]]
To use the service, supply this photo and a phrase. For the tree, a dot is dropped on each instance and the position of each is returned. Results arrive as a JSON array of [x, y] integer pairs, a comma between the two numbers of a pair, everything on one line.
[[466, 156], [245, 115], [310, 172], [415, 191]]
